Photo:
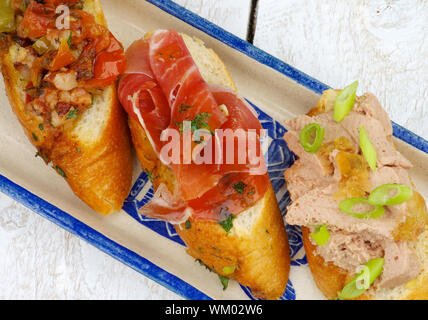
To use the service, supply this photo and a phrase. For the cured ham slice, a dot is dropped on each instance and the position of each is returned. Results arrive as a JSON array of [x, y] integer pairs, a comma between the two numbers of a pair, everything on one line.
[[163, 89], [181, 81], [141, 96], [167, 206], [190, 99], [241, 117]]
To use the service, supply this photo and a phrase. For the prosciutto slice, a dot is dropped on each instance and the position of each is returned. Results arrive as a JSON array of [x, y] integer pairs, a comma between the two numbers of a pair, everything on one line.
[[141, 96], [163, 89]]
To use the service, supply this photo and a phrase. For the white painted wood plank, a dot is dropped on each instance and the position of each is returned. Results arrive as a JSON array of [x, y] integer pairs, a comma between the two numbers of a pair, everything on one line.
[[230, 15], [381, 43], [39, 260]]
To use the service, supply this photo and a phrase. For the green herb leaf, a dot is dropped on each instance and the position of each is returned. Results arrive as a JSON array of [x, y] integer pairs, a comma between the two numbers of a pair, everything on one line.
[[60, 171], [188, 224], [70, 38], [73, 114], [41, 155], [200, 121], [227, 224], [41, 127], [224, 281], [239, 187], [252, 191], [184, 108], [34, 136], [149, 174]]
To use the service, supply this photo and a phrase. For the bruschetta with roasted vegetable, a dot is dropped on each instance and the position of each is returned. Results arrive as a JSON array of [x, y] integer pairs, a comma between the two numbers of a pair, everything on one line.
[[60, 64]]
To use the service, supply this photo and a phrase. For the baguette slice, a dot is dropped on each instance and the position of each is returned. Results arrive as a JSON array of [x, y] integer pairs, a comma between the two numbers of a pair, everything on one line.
[[257, 245], [330, 279], [94, 155]]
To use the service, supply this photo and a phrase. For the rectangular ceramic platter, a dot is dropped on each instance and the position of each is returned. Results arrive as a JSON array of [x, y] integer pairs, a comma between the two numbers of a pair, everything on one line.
[[30, 181]]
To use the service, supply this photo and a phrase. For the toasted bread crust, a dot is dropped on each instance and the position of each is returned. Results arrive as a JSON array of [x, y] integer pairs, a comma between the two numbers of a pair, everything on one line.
[[261, 257], [99, 173], [329, 278]]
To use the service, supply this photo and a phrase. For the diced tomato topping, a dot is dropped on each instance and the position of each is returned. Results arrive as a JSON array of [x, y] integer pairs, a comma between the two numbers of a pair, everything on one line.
[[63, 57], [108, 65], [37, 19]]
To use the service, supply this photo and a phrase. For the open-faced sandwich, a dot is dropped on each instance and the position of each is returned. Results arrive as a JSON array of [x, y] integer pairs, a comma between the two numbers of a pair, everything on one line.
[[364, 225], [60, 64], [225, 211]]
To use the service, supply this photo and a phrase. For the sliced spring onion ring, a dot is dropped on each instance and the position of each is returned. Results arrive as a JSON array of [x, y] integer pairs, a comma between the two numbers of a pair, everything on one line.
[[348, 204], [345, 101], [367, 148], [321, 235], [361, 282], [7, 16], [42, 45], [382, 195], [306, 135]]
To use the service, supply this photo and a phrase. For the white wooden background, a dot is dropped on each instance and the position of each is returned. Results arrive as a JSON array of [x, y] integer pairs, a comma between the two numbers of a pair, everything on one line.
[[382, 43]]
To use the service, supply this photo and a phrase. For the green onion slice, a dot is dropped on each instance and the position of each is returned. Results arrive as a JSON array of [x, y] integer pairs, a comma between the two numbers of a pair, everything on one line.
[[7, 16], [229, 270], [321, 235], [367, 148], [361, 282], [312, 131], [390, 194], [348, 204], [345, 101]]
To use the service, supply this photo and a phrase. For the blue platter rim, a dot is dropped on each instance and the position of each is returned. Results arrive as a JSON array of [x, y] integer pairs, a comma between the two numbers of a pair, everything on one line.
[[121, 253]]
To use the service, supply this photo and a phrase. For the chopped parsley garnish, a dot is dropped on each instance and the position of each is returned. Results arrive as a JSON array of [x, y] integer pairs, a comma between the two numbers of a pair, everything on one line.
[[251, 192], [184, 108], [73, 114], [224, 281], [227, 224], [188, 224], [60, 171], [41, 155], [239, 187], [149, 174], [69, 38], [34, 136], [41, 127], [200, 121]]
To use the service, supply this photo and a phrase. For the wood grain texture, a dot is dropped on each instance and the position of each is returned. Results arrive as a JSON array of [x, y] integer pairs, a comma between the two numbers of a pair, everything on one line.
[[39, 260], [230, 15], [381, 43]]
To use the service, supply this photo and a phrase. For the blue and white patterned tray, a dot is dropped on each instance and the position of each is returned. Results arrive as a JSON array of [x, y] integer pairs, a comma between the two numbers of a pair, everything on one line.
[[279, 158]]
